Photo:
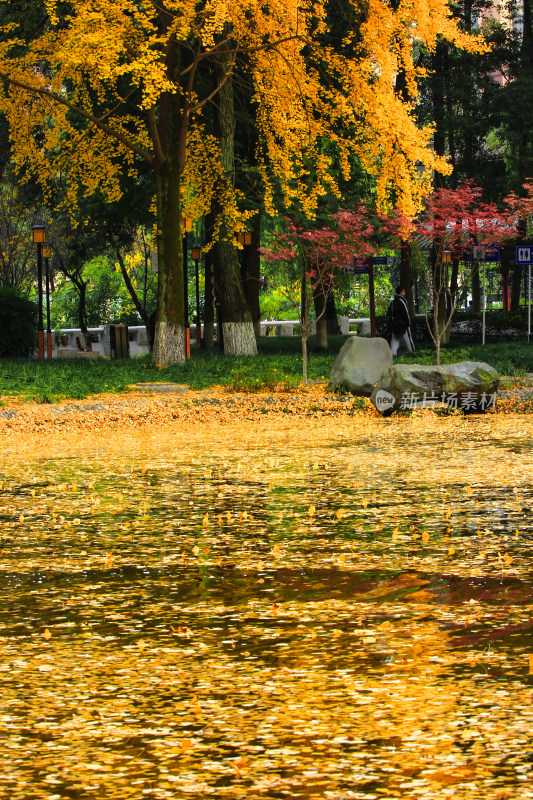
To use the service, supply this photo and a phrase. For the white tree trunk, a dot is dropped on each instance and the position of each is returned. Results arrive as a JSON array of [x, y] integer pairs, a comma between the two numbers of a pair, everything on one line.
[[239, 339], [169, 345]]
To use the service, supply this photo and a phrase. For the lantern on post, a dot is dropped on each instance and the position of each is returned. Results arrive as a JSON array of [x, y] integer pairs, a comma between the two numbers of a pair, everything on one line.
[[39, 238], [47, 253]]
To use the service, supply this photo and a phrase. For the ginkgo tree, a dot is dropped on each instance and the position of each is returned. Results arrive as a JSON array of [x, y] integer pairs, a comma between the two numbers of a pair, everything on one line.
[[98, 85]]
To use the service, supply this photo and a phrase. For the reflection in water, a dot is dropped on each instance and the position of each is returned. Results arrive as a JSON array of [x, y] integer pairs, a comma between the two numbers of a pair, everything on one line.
[[347, 619]]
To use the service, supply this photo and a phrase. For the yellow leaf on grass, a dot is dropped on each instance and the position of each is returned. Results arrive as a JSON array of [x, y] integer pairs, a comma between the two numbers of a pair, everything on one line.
[[340, 513], [47, 635], [311, 510], [451, 551], [425, 536], [196, 549], [531, 663]]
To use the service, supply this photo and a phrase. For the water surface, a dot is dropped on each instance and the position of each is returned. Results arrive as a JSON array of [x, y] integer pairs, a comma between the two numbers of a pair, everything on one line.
[[337, 610]]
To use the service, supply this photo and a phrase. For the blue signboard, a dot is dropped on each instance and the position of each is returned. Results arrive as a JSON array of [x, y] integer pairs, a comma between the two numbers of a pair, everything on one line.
[[524, 254], [490, 254], [358, 266], [385, 261]]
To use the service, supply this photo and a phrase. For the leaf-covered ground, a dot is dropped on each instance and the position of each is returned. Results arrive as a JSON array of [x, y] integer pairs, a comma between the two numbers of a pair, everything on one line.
[[230, 602]]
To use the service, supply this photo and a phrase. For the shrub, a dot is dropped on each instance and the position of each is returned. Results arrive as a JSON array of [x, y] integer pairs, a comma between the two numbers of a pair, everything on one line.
[[18, 324]]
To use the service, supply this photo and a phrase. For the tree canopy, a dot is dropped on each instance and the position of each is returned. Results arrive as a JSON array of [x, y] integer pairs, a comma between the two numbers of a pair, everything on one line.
[[97, 87]]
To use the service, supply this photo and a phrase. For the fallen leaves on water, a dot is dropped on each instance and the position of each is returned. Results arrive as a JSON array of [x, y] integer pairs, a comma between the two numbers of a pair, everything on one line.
[[336, 608]]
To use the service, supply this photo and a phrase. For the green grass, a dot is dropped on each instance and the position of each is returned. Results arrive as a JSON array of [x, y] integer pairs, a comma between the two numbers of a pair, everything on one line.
[[279, 363]]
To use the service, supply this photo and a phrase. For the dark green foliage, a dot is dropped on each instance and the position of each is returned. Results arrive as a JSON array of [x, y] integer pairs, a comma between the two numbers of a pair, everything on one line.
[[18, 324], [468, 325]]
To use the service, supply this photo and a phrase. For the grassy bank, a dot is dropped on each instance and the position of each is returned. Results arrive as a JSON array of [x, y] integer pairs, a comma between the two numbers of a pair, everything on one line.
[[279, 364]]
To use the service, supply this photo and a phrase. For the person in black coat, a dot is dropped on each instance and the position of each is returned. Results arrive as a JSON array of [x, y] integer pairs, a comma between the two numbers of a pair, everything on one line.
[[399, 322]]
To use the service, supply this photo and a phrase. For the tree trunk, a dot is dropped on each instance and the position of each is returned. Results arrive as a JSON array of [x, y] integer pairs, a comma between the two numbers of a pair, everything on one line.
[[209, 302], [321, 334], [454, 281], [476, 287], [238, 331], [253, 277], [319, 300], [333, 327], [169, 137], [439, 290], [406, 279], [169, 345], [140, 308], [81, 286], [516, 283]]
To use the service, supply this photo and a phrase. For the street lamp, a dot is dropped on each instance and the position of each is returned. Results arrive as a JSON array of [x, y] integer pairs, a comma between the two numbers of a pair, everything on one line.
[[196, 254], [47, 252], [186, 227], [39, 238]]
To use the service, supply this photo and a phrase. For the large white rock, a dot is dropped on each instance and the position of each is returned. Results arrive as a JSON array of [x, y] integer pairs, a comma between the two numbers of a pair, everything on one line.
[[360, 364]]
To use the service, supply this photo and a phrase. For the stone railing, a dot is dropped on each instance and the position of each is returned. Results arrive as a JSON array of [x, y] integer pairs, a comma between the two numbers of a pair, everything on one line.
[[71, 343], [71, 339], [291, 327]]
